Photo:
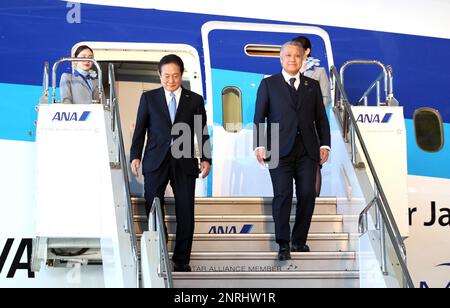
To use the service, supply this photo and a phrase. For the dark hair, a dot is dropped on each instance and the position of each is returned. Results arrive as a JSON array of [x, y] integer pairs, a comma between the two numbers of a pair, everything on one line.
[[80, 49], [306, 43], [171, 59]]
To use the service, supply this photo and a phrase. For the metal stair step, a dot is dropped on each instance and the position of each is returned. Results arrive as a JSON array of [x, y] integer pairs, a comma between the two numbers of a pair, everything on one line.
[[264, 242], [267, 261], [255, 224], [312, 279], [236, 206]]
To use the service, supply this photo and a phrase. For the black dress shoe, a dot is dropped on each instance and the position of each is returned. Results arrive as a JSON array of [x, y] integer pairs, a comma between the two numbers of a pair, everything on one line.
[[182, 268], [301, 248], [284, 254]]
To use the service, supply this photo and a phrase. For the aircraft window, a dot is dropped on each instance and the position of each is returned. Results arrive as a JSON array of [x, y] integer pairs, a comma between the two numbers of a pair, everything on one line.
[[429, 129], [232, 109], [263, 50]]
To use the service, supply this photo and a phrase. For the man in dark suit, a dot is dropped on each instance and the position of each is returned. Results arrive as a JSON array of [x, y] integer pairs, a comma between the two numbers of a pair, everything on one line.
[[294, 102], [170, 116]]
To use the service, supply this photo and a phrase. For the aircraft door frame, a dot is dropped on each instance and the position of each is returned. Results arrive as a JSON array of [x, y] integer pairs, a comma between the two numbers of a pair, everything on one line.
[[232, 155]]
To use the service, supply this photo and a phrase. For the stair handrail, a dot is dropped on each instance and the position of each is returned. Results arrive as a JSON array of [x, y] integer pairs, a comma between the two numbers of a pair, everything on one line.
[[99, 72], [156, 223], [117, 128], [376, 85], [382, 202], [387, 75]]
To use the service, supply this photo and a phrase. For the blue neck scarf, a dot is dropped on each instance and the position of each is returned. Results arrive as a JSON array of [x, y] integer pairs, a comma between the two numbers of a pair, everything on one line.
[[86, 77]]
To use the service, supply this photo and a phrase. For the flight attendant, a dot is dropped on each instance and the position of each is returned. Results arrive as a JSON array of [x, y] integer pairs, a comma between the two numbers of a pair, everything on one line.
[[81, 87]]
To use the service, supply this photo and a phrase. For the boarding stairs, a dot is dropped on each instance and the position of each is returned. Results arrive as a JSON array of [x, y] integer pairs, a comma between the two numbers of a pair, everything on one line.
[[362, 247], [234, 243], [223, 257]]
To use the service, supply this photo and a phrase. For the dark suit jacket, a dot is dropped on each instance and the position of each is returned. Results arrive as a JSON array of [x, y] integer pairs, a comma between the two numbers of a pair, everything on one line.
[[153, 119], [275, 104]]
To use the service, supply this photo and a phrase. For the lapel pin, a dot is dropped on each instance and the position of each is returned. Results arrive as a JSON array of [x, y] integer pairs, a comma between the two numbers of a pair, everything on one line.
[[306, 83]]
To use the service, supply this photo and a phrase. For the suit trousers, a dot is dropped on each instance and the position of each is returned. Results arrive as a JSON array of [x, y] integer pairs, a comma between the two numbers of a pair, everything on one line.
[[301, 168], [183, 186]]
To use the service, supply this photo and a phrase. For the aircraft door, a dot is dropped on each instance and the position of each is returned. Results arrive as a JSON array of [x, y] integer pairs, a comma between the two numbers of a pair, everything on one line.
[[237, 57]]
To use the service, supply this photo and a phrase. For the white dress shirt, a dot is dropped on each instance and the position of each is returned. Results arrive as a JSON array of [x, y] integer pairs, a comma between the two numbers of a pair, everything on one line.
[[177, 96], [288, 77]]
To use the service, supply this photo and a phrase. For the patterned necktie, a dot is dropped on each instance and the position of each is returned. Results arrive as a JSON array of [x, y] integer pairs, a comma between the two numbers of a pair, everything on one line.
[[292, 82], [172, 107]]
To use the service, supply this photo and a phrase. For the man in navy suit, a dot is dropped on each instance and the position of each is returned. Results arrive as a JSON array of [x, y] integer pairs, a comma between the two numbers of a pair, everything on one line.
[[294, 103], [170, 116]]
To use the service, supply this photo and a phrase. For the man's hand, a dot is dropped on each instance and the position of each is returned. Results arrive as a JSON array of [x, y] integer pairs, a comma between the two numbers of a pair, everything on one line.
[[205, 168], [261, 155], [324, 154], [135, 164]]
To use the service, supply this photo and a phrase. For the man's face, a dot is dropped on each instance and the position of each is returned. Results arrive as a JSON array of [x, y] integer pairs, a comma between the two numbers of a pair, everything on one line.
[[291, 59], [171, 77]]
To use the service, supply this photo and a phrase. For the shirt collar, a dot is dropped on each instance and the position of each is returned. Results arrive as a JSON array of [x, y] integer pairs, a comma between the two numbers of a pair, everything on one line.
[[287, 76], [176, 92]]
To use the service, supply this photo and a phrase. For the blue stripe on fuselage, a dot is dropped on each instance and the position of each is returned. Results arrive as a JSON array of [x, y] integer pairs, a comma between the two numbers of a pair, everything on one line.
[[18, 114]]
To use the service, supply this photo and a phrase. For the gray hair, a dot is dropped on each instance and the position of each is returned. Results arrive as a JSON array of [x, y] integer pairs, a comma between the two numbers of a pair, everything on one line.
[[290, 43]]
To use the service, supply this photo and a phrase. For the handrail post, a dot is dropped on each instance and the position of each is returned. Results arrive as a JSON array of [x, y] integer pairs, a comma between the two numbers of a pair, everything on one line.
[[378, 93], [377, 210], [112, 97], [46, 78], [45, 85], [163, 241], [391, 82], [386, 84], [353, 141], [405, 279], [366, 222], [382, 244], [346, 125]]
